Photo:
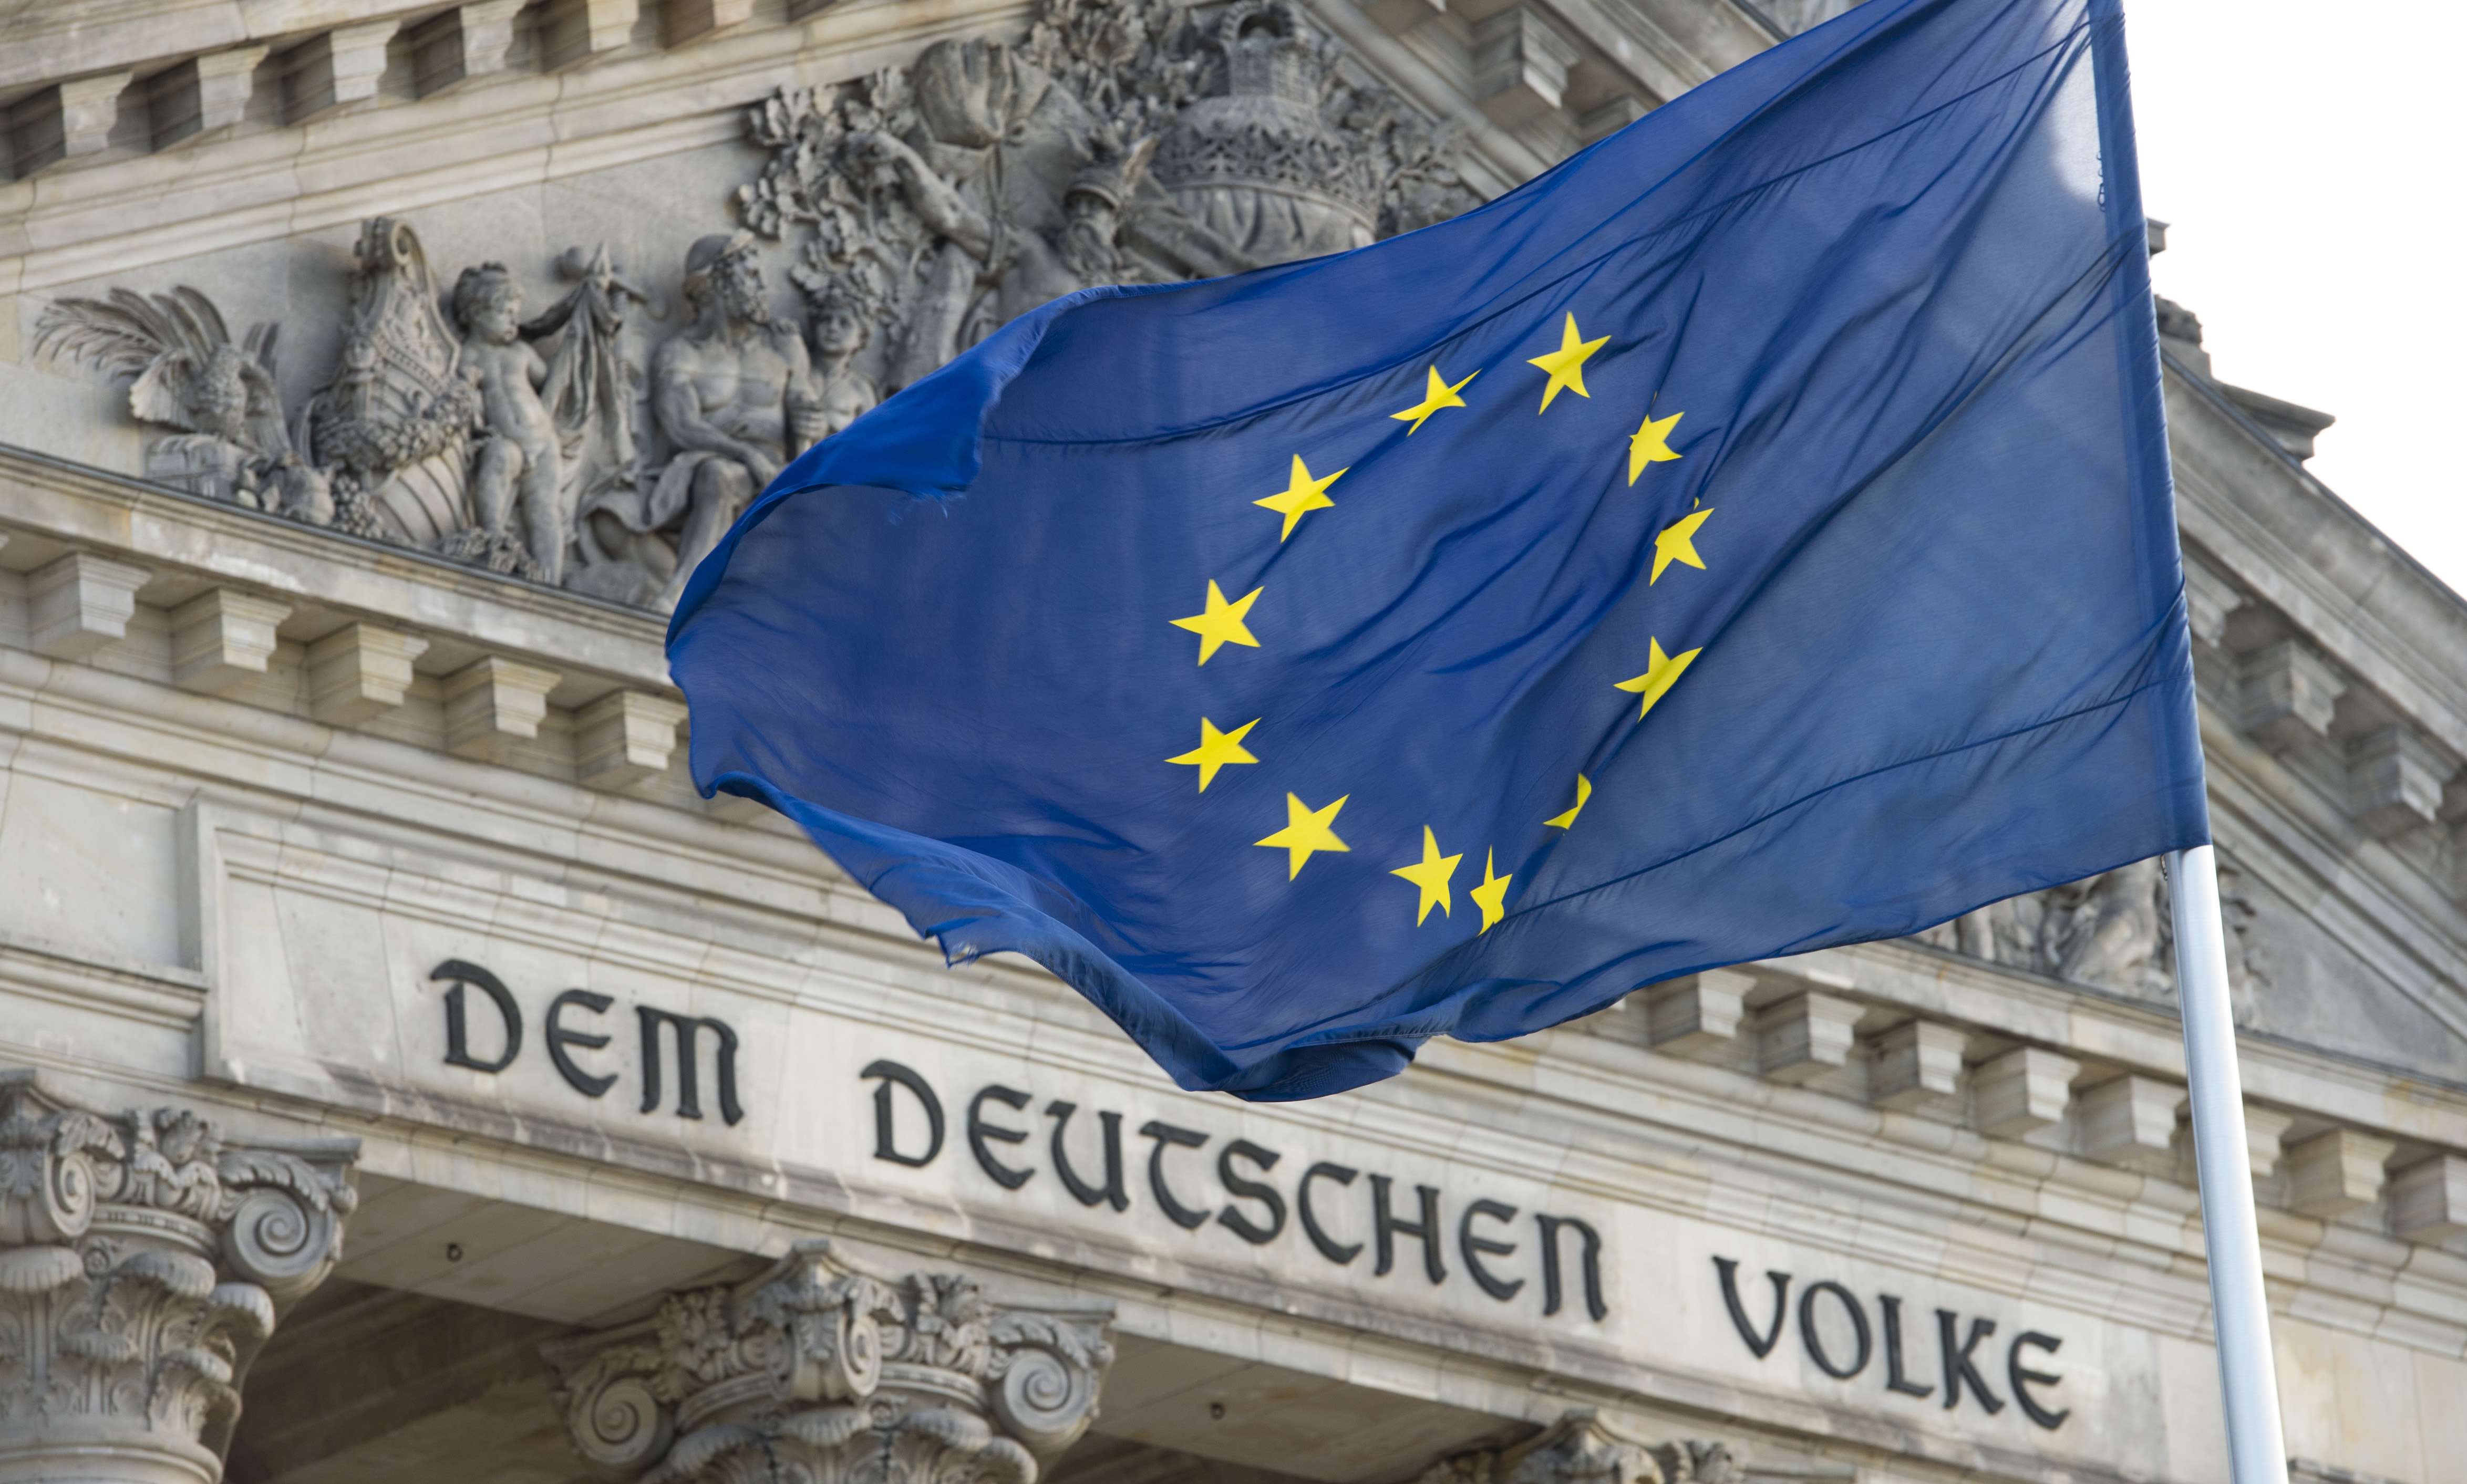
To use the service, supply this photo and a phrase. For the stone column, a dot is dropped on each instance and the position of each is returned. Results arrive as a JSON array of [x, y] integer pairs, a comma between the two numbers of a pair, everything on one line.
[[143, 1263], [821, 1372], [1583, 1447]]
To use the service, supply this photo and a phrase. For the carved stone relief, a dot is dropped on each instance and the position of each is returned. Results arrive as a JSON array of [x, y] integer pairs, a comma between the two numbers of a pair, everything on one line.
[[143, 1264], [2112, 929], [821, 1372], [1124, 141]]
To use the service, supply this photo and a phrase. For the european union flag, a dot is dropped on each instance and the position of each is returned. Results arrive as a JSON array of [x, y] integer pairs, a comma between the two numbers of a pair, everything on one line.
[[1753, 535]]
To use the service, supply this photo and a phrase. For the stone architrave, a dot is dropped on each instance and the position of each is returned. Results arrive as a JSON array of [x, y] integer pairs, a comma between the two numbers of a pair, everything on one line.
[[144, 1261], [820, 1371], [1585, 1448]]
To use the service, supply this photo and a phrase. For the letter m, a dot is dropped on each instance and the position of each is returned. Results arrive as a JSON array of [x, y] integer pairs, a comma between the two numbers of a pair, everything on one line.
[[688, 1089]]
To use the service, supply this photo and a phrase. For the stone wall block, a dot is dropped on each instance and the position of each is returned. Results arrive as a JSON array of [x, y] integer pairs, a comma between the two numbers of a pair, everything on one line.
[[466, 42], [494, 703], [360, 671], [1918, 1064], [1610, 118], [2334, 1173], [79, 603], [2394, 780], [1399, 16], [1698, 1014], [2429, 1200], [334, 69], [1520, 66], [221, 637], [201, 95], [690, 20], [576, 31], [1807, 1036], [2131, 1122], [2264, 1131], [2021, 1092], [66, 121], [2287, 692], [624, 738]]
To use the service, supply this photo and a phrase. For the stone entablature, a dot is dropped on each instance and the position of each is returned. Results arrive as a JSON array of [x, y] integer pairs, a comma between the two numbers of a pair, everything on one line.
[[820, 1371], [144, 1260]]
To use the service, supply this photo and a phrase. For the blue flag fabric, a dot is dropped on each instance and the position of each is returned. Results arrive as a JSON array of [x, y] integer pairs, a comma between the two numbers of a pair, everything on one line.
[[1753, 535]]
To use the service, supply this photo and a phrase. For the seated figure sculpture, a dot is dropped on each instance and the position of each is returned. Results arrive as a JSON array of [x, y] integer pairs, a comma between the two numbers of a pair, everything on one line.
[[733, 396]]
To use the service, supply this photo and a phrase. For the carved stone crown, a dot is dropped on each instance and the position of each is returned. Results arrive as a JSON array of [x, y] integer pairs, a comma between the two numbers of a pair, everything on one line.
[[819, 1371], [1266, 129], [143, 1261]]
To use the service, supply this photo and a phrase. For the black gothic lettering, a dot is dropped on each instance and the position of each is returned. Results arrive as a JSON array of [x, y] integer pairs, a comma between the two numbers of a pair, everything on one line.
[[980, 1130], [1895, 1378], [1590, 1255], [1957, 1368], [2022, 1380], [1759, 1345], [1243, 1187], [1165, 1135], [1081, 1191], [1814, 1343], [558, 1038], [1472, 1247], [1384, 1228], [688, 1031], [885, 1145], [458, 1043], [1318, 1234]]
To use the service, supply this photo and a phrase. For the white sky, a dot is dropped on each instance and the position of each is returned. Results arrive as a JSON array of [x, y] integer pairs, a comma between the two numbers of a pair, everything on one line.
[[2309, 168]]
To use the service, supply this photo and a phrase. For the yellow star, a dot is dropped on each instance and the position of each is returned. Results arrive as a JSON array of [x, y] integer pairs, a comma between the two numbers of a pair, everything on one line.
[[1661, 671], [1216, 749], [1491, 896], [1584, 791], [1306, 829], [1431, 874], [1676, 543], [1301, 493], [1567, 364], [1222, 622], [1438, 395], [1650, 443]]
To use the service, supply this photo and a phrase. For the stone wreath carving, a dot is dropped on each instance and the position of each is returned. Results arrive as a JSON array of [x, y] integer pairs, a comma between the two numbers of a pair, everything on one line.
[[820, 1372], [142, 1262], [923, 206]]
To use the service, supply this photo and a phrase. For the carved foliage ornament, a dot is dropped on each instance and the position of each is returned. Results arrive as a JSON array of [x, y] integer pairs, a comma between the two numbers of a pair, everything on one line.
[[824, 1374], [143, 1261]]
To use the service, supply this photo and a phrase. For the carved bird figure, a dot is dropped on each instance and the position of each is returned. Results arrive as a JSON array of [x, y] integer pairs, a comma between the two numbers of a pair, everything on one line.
[[184, 370]]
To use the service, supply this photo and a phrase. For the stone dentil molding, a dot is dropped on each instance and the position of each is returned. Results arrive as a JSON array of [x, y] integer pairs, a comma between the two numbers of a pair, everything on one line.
[[143, 1263], [821, 1372]]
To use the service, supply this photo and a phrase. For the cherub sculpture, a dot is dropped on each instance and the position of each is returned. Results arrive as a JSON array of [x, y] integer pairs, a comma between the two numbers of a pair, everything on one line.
[[518, 467], [185, 373]]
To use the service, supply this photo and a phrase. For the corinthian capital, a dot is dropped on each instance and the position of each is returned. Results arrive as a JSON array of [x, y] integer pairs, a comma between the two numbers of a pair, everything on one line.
[[819, 1370], [142, 1262], [1585, 1448]]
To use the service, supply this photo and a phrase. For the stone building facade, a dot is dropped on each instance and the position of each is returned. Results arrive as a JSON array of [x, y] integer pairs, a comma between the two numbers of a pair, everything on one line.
[[405, 1077]]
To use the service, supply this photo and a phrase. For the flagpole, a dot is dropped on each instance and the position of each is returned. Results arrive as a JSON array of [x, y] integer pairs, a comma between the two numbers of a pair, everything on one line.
[[2239, 1306]]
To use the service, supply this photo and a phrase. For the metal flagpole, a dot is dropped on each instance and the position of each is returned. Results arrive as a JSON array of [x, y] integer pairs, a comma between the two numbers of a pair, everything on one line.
[[2239, 1308]]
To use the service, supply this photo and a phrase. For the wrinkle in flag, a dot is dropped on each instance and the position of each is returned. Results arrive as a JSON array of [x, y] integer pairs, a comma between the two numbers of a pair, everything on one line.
[[1751, 536]]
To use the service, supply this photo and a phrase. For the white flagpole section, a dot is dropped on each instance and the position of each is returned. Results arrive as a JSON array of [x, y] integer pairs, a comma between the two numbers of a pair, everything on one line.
[[2239, 1308]]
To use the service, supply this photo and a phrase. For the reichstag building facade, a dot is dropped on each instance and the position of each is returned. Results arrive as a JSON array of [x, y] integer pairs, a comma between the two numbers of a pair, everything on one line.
[[405, 1077]]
